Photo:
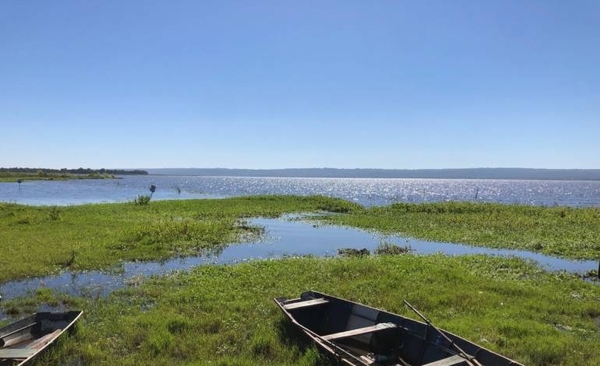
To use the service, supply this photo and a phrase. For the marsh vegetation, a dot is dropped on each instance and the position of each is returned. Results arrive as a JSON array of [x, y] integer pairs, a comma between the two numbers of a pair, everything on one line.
[[560, 231], [225, 314]]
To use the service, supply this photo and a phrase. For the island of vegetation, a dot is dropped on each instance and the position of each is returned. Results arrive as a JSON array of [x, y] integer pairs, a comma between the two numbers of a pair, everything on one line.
[[225, 313], [22, 174]]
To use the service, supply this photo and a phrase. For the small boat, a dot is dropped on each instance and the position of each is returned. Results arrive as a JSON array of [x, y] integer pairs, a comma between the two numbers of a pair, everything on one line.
[[360, 335], [22, 341]]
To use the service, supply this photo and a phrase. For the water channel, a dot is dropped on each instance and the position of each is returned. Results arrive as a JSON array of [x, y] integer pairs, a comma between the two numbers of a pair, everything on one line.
[[288, 236]]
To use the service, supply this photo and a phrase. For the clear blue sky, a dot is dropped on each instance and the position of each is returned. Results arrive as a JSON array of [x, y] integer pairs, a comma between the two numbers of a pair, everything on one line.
[[276, 84]]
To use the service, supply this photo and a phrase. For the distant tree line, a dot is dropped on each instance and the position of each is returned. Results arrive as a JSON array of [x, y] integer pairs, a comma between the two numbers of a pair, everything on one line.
[[86, 171]]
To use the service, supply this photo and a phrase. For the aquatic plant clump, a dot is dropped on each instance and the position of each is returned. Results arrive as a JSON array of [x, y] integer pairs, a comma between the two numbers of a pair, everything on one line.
[[142, 200], [391, 249]]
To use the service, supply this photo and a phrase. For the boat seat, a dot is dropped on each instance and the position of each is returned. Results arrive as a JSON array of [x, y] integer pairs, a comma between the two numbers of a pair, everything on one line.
[[448, 361], [8, 353], [359, 331], [305, 303]]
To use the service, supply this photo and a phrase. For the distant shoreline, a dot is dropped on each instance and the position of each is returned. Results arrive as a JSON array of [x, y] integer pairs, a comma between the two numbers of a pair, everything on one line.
[[468, 173], [23, 174]]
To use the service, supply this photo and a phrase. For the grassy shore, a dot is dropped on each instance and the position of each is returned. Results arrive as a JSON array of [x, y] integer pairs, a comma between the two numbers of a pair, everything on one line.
[[37, 241], [558, 231], [225, 314]]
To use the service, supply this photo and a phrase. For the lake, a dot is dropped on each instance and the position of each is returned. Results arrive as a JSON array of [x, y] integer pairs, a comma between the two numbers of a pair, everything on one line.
[[364, 191]]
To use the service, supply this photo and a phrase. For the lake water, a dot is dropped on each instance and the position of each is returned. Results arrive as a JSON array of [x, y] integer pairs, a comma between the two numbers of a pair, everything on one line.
[[365, 191]]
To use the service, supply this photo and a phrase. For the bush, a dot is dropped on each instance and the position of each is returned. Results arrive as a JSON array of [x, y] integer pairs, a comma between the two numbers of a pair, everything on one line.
[[142, 200]]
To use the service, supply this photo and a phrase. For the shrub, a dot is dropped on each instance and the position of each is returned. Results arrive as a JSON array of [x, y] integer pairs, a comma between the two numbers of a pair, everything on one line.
[[142, 200]]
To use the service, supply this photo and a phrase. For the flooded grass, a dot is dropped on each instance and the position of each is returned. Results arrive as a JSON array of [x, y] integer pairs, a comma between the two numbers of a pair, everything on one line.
[[279, 238], [558, 231], [224, 315], [37, 241]]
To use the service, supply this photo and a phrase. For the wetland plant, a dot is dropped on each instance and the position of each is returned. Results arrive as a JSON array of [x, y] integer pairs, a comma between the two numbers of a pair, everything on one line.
[[54, 213], [142, 200], [351, 252], [386, 248]]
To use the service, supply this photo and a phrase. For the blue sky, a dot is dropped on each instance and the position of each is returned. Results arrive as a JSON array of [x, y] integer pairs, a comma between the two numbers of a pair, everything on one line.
[[281, 84]]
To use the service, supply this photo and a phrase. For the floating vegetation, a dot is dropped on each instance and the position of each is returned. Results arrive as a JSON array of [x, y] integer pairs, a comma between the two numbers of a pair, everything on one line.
[[390, 249], [351, 252], [382, 249], [592, 275]]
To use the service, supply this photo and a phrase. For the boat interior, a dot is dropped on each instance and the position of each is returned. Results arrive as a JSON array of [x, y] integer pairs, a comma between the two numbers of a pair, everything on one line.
[[25, 338], [362, 335]]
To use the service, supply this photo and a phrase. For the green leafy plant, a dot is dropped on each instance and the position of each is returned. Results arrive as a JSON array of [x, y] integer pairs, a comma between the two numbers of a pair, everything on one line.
[[142, 200]]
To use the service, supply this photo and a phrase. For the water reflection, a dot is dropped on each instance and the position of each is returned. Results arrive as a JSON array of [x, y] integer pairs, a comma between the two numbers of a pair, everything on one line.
[[283, 237]]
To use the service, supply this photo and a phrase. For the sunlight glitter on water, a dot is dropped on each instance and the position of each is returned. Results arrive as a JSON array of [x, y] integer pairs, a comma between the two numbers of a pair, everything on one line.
[[365, 191]]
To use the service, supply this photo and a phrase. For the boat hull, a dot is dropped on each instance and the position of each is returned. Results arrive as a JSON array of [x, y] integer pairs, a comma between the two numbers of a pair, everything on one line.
[[357, 334], [22, 341]]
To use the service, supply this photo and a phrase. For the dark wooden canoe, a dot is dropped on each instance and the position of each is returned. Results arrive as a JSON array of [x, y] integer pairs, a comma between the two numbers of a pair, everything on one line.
[[359, 335], [22, 341]]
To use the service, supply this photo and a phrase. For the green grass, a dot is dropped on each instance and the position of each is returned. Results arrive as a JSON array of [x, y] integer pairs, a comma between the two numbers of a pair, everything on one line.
[[37, 241], [224, 315], [559, 231], [101, 235]]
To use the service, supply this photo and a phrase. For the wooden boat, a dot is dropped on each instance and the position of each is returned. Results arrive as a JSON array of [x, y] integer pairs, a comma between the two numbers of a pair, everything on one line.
[[22, 341], [360, 335]]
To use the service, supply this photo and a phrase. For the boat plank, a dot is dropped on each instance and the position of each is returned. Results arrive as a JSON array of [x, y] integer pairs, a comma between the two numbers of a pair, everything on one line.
[[448, 361], [42, 341], [359, 331], [305, 303], [10, 353]]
